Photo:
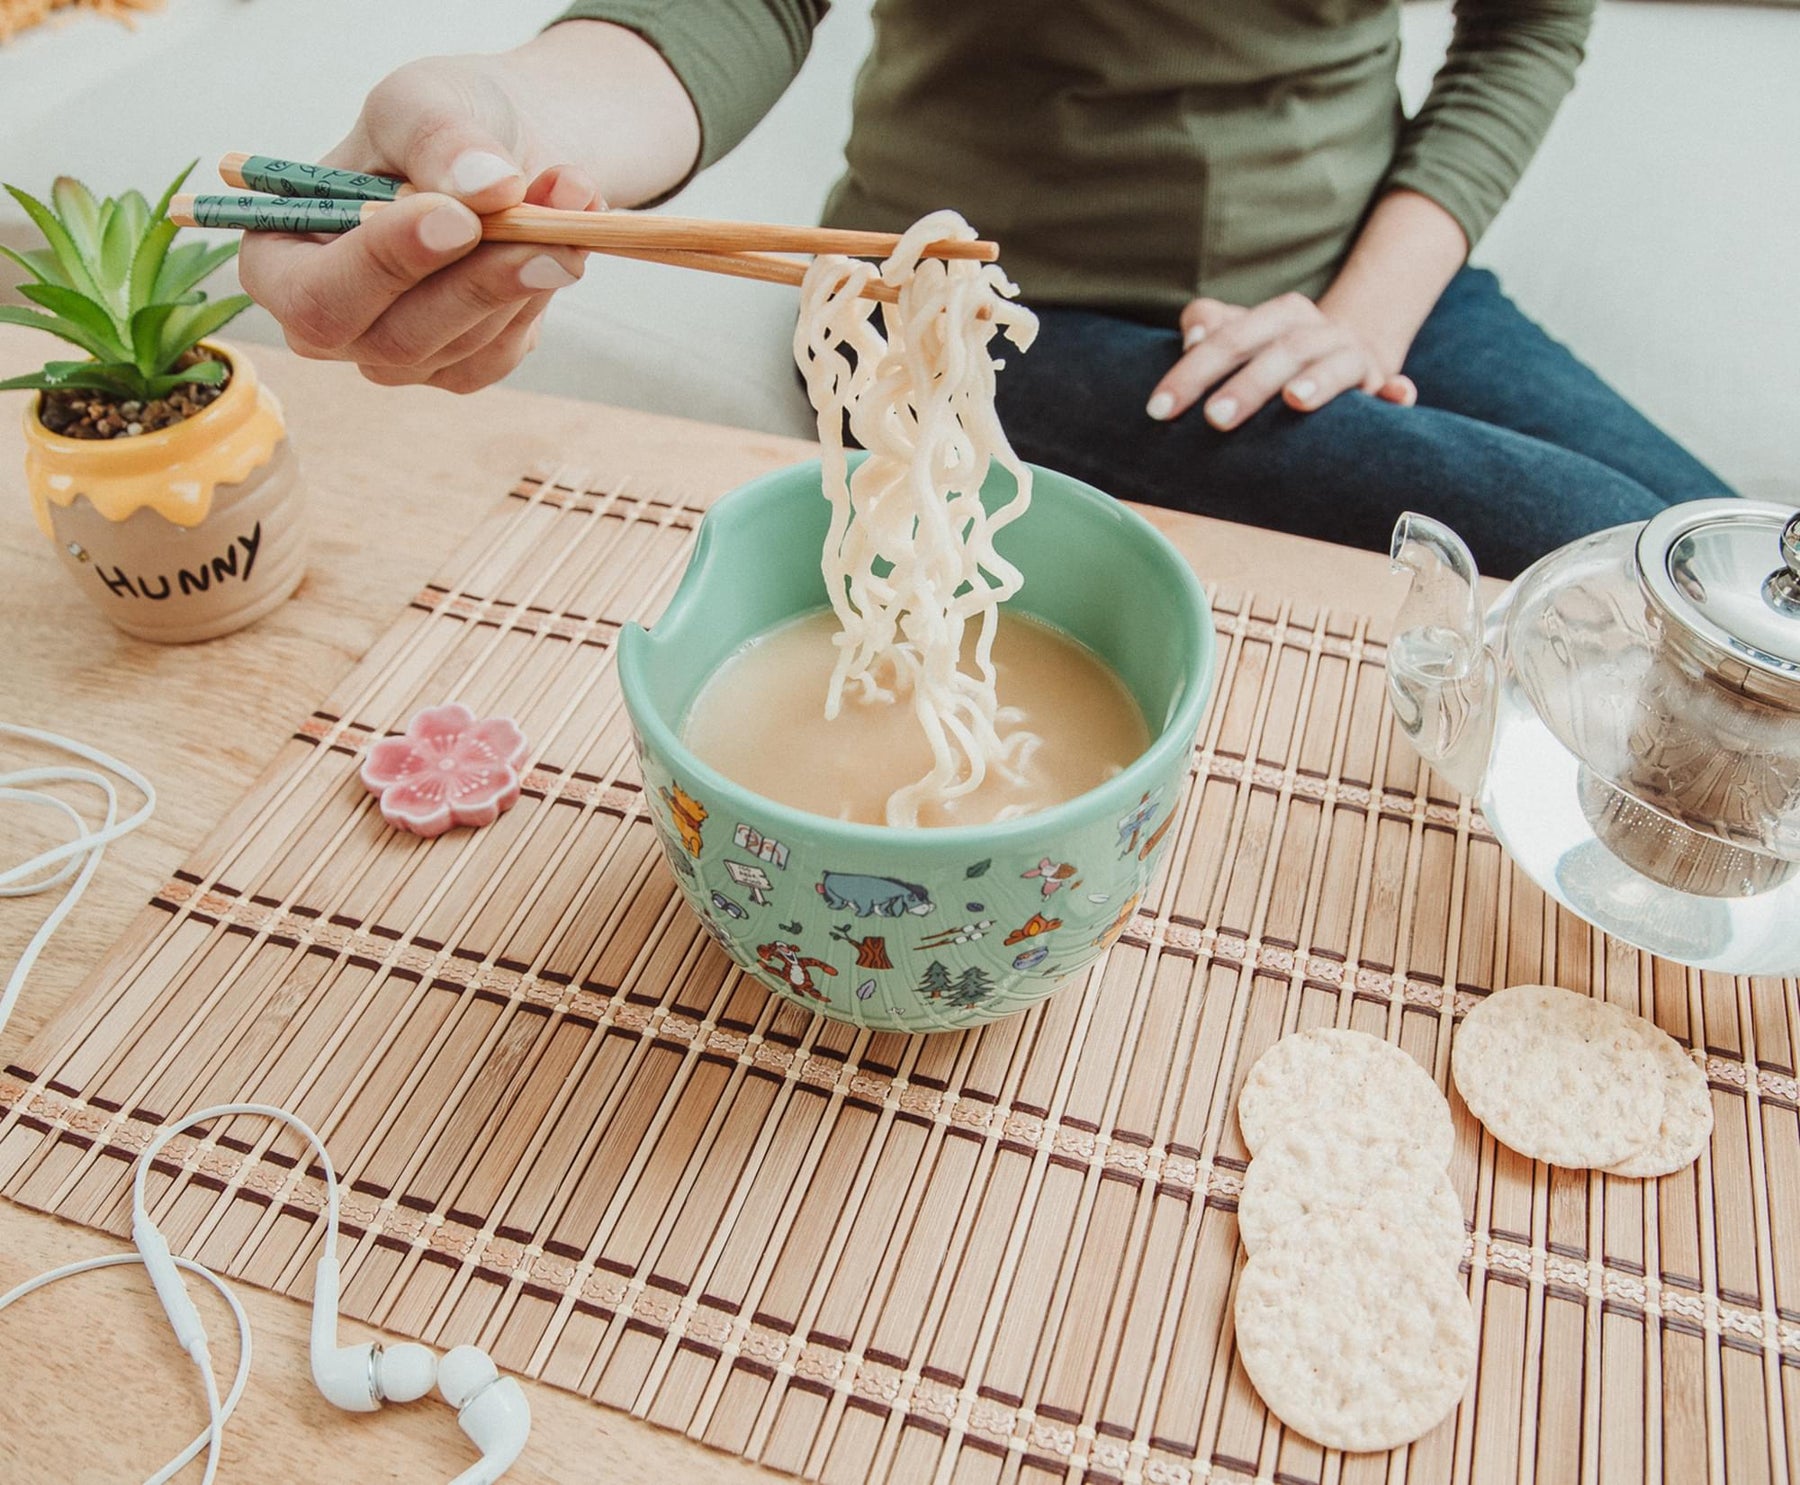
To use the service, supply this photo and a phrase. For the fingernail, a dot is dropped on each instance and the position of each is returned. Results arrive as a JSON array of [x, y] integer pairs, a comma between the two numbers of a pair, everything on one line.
[[476, 170], [544, 272], [1160, 406], [445, 228], [1221, 411], [1195, 334], [1303, 390]]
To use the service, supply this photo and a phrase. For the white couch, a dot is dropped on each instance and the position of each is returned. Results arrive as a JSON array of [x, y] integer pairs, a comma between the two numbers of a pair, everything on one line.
[[1654, 234]]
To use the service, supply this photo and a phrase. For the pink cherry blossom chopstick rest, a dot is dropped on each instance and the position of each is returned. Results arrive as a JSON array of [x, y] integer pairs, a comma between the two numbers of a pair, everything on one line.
[[449, 768]]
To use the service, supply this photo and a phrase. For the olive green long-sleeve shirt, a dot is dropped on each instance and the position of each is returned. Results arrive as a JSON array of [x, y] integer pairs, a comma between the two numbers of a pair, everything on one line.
[[1131, 154]]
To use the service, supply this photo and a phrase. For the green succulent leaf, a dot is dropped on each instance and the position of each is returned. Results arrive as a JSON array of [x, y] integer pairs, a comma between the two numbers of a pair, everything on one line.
[[136, 212], [56, 325], [187, 265], [32, 381], [111, 377], [147, 267], [209, 373], [68, 256], [80, 212], [11, 314], [162, 206], [122, 382], [192, 323], [101, 335], [40, 263], [146, 337], [119, 240]]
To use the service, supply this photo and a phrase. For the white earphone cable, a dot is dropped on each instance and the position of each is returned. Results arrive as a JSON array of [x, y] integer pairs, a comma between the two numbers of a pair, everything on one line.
[[216, 1434], [51, 801], [217, 1412], [262, 1110], [80, 855], [99, 838]]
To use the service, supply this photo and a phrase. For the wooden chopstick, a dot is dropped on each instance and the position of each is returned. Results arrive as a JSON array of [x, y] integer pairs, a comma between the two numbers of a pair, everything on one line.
[[274, 176], [647, 231], [760, 266], [545, 226], [294, 196], [279, 214]]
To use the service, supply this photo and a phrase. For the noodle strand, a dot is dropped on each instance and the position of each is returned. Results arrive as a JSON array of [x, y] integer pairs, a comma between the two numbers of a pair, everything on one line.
[[909, 553]]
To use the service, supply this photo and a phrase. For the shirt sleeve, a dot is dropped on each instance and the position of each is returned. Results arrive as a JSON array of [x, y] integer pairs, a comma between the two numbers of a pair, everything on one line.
[[1510, 64], [734, 57]]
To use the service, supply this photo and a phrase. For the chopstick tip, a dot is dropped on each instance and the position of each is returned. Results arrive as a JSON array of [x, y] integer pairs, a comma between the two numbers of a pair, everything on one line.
[[964, 249]]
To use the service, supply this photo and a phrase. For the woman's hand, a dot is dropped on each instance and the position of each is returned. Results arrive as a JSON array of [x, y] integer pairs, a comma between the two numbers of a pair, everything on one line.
[[1355, 337], [411, 295], [1287, 345]]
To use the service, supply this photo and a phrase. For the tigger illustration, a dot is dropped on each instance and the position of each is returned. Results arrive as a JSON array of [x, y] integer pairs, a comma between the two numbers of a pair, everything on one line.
[[689, 815], [786, 960]]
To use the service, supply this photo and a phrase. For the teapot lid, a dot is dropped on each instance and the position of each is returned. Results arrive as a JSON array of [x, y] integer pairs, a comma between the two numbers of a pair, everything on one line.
[[1725, 576]]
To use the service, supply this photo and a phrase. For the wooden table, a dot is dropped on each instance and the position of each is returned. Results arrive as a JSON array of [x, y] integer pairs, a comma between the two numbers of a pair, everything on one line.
[[95, 1387]]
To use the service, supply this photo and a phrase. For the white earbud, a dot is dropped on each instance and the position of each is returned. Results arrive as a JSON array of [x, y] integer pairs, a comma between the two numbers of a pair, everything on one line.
[[361, 1378], [491, 1409]]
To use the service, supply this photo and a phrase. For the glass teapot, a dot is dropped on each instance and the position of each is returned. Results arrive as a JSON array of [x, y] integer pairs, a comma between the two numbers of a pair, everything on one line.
[[1628, 718]]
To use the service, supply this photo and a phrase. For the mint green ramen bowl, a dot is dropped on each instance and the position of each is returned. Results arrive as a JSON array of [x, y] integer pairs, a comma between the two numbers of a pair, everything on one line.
[[930, 929]]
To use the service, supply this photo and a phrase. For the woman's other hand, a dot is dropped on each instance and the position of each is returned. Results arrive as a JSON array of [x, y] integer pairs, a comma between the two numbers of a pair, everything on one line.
[[412, 295], [1354, 338], [1287, 346]]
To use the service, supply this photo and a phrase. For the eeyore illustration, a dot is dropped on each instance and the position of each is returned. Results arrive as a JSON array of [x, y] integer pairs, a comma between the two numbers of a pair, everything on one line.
[[877, 897]]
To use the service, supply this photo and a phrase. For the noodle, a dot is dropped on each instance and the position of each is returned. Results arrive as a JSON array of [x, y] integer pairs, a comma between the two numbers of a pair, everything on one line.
[[909, 555]]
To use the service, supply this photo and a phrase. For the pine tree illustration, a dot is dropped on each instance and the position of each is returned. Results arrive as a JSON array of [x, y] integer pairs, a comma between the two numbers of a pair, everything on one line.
[[937, 980], [972, 987]]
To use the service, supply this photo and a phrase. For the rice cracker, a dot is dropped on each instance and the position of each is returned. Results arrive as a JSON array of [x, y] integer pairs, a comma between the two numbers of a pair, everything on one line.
[[1353, 1331], [1687, 1116], [1560, 1077], [1350, 1083], [1308, 1168]]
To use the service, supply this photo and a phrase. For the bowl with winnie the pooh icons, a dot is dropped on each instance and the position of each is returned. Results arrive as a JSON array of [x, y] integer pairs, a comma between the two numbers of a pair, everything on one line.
[[924, 929]]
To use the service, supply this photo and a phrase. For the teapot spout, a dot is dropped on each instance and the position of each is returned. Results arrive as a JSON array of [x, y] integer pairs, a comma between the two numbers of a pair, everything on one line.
[[1440, 672]]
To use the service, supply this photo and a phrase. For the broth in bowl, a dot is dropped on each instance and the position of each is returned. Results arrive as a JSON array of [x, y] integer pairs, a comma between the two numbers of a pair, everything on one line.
[[760, 721]]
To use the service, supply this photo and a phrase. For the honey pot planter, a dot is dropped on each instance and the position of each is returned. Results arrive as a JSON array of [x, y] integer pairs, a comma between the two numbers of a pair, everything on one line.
[[184, 533]]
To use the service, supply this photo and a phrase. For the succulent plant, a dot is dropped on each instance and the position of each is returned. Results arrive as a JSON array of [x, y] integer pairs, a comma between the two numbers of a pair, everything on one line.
[[111, 281]]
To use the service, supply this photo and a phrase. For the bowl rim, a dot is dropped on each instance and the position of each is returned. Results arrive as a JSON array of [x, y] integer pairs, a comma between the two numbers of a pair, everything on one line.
[[771, 817]]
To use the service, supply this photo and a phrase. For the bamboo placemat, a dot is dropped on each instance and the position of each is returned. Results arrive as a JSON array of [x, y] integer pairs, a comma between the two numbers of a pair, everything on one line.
[[573, 1133]]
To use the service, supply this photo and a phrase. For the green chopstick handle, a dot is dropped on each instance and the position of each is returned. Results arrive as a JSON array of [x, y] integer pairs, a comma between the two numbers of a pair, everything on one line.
[[276, 213], [296, 178]]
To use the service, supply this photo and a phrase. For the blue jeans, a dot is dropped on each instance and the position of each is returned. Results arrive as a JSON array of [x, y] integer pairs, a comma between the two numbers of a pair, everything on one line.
[[1514, 443]]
